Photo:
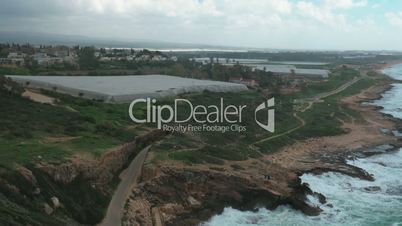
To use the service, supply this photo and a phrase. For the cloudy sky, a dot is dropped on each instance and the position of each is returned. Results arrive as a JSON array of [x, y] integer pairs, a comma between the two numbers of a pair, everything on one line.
[[301, 24]]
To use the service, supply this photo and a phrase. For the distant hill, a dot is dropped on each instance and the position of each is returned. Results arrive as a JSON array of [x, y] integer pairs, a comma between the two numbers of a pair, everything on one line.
[[37, 38]]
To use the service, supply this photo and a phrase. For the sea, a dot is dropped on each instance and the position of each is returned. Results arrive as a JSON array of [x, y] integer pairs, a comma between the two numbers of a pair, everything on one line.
[[350, 201]]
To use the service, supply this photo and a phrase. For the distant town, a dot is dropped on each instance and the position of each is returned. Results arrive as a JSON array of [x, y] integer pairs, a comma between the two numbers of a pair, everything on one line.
[[273, 71], [22, 55]]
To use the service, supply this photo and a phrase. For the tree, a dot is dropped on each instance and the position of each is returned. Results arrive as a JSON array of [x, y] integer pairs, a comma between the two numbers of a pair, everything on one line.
[[31, 64], [87, 59]]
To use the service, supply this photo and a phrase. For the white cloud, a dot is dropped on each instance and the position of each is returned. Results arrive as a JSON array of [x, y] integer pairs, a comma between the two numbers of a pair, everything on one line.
[[257, 6], [321, 14], [263, 23], [394, 18], [345, 4], [173, 8]]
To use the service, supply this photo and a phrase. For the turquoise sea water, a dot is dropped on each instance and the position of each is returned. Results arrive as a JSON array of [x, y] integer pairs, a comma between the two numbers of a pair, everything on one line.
[[351, 202]]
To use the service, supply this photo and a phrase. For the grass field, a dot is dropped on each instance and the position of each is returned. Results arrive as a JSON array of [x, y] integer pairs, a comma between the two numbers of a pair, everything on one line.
[[32, 131], [322, 119]]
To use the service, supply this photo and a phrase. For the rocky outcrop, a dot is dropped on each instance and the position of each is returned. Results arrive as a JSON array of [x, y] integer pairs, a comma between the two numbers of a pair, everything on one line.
[[102, 171], [188, 197], [28, 175], [55, 202], [140, 213], [48, 210]]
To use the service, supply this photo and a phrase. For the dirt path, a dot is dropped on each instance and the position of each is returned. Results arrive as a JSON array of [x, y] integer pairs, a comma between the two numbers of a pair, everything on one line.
[[308, 153], [128, 179], [315, 99], [302, 123], [339, 89]]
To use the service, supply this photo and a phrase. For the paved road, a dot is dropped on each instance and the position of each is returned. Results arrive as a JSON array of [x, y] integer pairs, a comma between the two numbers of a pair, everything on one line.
[[128, 179]]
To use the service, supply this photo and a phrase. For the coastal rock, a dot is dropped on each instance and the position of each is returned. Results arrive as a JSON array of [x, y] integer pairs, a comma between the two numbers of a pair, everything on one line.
[[30, 182], [236, 167], [48, 210], [55, 202], [149, 171], [372, 189], [191, 196], [102, 171], [397, 133], [37, 191], [193, 202], [64, 173], [137, 212], [385, 131]]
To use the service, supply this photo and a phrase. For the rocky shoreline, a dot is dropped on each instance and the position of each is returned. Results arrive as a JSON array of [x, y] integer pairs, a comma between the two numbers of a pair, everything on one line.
[[175, 194], [182, 197], [189, 197]]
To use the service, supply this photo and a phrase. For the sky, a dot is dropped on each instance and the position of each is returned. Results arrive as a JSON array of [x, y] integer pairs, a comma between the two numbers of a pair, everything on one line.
[[278, 24]]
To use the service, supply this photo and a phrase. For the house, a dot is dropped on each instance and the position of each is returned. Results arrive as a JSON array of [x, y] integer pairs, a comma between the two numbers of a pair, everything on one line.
[[41, 58], [241, 80], [105, 59], [16, 55], [44, 59], [14, 58], [57, 51], [158, 58], [5, 61], [17, 61], [203, 60]]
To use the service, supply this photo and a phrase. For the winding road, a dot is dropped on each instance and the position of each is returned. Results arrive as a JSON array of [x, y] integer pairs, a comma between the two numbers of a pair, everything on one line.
[[128, 179], [130, 175]]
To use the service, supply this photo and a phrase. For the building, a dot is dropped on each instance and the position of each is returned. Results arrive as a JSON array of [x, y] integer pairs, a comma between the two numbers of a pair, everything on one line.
[[241, 80], [292, 70], [5, 61], [44, 59], [14, 59], [16, 55]]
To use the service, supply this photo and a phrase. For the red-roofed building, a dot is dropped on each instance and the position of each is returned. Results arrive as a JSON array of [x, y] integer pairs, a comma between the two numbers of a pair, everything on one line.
[[241, 80]]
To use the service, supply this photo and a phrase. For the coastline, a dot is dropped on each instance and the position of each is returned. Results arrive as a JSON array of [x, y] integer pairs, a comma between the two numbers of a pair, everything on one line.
[[386, 65], [268, 182]]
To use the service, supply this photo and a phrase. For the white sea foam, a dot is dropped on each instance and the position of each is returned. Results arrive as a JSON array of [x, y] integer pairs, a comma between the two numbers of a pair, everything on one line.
[[350, 201]]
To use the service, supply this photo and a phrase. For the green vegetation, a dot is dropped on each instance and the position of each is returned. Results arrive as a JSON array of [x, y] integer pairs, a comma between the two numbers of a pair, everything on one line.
[[15, 207], [198, 147], [32, 131], [87, 59], [322, 119], [337, 78], [14, 71]]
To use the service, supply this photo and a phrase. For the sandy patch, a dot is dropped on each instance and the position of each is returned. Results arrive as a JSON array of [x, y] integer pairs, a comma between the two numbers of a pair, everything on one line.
[[38, 97], [60, 139]]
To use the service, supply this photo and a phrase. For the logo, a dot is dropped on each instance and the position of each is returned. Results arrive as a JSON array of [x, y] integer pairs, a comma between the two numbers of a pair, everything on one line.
[[214, 118], [270, 126]]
